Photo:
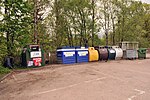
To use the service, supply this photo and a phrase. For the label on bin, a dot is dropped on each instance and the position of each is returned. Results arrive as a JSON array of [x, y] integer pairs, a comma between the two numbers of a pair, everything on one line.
[[37, 61], [69, 54], [112, 51], [30, 63], [36, 54], [84, 53]]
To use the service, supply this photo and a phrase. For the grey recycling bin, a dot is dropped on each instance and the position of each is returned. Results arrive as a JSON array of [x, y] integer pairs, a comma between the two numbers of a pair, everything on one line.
[[130, 54]]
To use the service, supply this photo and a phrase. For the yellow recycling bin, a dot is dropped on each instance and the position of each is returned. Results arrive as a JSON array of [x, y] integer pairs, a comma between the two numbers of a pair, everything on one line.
[[93, 54]]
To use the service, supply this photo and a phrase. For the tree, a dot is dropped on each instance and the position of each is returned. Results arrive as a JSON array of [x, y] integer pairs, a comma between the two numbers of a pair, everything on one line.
[[73, 21], [105, 16], [16, 24], [40, 7]]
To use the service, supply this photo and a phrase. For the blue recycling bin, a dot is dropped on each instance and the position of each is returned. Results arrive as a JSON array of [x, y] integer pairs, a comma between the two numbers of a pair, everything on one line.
[[66, 55], [82, 54]]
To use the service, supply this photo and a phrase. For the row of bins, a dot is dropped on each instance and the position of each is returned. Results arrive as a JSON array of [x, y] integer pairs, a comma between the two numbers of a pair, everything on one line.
[[68, 55], [109, 53]]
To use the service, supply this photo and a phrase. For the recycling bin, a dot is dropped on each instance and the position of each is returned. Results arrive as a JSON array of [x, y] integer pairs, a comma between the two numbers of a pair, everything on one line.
[[66, 55], [130, 54], [82, 54], [93, 54], [111, 53], [8, 62], [142, 53], [103, 53], [148, 53], [119, 52], [32, 56]]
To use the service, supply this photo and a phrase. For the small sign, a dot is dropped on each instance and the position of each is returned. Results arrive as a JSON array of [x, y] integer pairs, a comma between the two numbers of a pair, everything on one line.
[[112, 51], [84, 53], [36, 54], [37, 61], [30, 63], [69, 54]]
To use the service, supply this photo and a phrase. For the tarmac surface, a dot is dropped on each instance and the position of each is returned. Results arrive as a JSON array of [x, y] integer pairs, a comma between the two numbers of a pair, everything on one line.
[[112, 80]]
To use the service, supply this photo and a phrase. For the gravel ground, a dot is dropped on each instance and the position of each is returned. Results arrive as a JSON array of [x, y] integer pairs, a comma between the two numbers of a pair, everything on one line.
[[112, 80]]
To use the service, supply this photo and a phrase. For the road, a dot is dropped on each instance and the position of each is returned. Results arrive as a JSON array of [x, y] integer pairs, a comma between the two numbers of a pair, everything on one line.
[[112, 80]]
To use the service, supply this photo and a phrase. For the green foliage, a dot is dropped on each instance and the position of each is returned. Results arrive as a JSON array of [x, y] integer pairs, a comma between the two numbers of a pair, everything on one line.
[[133, 23], [71, 22], [3, 49], [16, 25], [4, 70]]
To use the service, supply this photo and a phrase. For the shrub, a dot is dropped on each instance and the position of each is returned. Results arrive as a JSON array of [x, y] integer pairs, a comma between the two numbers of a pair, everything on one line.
[[4, 70]]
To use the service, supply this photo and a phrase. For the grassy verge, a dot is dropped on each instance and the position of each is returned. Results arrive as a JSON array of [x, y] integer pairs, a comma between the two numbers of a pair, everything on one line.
[[3, 71]]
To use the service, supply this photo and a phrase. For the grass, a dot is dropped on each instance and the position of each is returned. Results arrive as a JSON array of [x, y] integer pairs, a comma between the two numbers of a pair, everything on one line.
[[3, 71]]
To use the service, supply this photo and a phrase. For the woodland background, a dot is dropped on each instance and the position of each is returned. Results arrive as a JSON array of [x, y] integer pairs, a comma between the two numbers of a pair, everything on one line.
[[55, 23]]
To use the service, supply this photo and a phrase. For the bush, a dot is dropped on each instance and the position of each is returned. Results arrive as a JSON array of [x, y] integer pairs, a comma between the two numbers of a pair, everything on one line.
[[4, 70]]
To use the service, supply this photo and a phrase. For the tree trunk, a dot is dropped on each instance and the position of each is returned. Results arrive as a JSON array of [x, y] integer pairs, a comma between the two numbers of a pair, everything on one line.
[[106, 33], [8, 31], [113, 37], [57, 22], [93, 21], [71, 37], [81, 27], [35, 23]]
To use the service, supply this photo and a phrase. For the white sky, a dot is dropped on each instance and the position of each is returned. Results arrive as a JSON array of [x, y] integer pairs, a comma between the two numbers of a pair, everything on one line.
[[146, 1]]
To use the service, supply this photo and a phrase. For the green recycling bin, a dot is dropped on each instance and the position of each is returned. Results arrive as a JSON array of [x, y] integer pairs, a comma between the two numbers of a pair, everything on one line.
[[142, 53], [32, 56]]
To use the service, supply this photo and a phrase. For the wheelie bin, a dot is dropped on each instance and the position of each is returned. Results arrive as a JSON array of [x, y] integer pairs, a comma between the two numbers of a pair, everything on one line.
[[8, 62], [142, 53], [93, 54], [103, 53]]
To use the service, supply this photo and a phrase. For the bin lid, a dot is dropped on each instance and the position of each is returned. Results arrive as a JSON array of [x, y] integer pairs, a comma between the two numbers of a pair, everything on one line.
[[142, 48], [115, 47], [91, 48], [108, 47]]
